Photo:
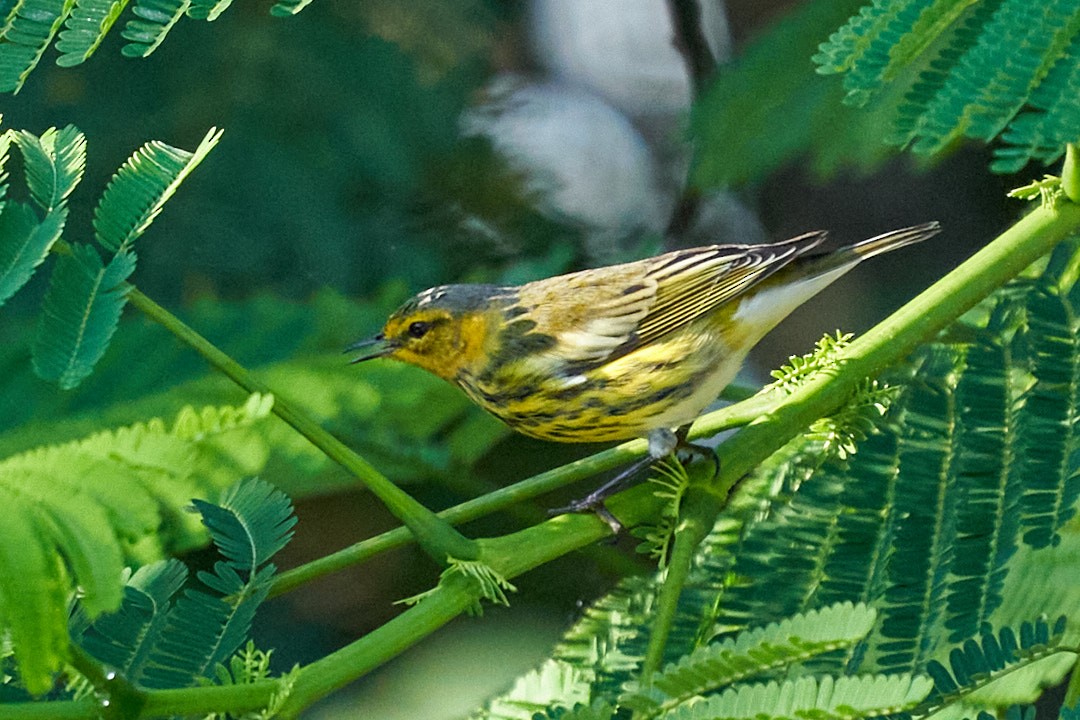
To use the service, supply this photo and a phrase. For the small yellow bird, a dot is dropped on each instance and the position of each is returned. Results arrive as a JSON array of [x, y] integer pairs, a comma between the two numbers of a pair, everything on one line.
[[631, 350]]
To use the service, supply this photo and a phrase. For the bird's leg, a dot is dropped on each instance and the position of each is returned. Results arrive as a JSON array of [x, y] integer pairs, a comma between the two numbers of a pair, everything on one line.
[[662, 443], [703, 451], [594, 501]]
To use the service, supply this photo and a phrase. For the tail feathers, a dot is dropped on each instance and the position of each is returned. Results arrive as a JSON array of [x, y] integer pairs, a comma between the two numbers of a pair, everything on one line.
[[892, 240]]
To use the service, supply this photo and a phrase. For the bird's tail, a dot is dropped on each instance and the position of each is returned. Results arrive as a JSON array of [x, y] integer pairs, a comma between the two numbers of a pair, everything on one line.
[[822, 262], [892, 240]]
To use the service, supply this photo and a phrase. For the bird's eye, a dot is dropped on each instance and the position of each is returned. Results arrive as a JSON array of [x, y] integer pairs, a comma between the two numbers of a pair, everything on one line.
[[419, 329]]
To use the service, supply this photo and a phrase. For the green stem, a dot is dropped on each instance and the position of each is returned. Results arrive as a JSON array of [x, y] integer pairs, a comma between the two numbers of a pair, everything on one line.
[[119, 698], [1070, 172], [436, 536], [1072, 692], [698, 512]]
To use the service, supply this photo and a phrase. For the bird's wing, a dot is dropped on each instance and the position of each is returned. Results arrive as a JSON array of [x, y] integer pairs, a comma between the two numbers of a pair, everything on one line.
[[625, 307]]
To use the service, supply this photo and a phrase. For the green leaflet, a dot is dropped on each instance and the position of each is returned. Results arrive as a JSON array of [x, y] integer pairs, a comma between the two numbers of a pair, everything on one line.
[[285, 8], [24, 244], [82, 309], [54, 165], [86, 294], [155, 19], [208, 10], [981, 70], [80, 510], [33, 598], [249, 524], [85, 28], [140, 188]]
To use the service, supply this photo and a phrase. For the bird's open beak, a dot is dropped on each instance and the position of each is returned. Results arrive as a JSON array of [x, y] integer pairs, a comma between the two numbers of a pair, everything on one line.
[[375, 347]]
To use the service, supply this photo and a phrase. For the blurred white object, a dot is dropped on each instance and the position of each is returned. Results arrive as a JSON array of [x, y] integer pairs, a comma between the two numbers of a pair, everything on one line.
[[583, 160], [622, 49]]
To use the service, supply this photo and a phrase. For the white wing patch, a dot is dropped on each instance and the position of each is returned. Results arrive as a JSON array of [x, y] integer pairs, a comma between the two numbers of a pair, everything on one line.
[[614, 324]]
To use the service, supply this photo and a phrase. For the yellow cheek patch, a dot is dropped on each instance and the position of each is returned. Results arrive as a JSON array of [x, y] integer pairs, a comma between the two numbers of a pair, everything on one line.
[[451, 347]]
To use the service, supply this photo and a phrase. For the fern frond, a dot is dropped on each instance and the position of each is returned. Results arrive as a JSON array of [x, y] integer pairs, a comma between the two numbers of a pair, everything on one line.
[[24, 244], [155, 19], [825, 698], [140, 188], [82, 309], [30, 27], [86, 27], [749, 654], [54, 162]]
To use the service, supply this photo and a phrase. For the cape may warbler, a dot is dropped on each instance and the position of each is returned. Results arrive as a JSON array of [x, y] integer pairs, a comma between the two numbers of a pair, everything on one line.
[[631, 350]]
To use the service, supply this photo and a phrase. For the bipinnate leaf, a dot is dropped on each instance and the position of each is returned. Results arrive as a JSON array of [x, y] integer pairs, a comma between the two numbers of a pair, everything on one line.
[[81, 312], [141, 187], [123, 639]]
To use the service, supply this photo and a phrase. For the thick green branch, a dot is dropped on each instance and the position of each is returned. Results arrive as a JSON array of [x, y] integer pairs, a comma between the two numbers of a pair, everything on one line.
[[436, 536], [699, 510]]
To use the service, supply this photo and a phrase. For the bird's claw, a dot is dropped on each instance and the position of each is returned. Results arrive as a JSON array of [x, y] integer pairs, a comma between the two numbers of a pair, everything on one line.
[[593, 505]]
